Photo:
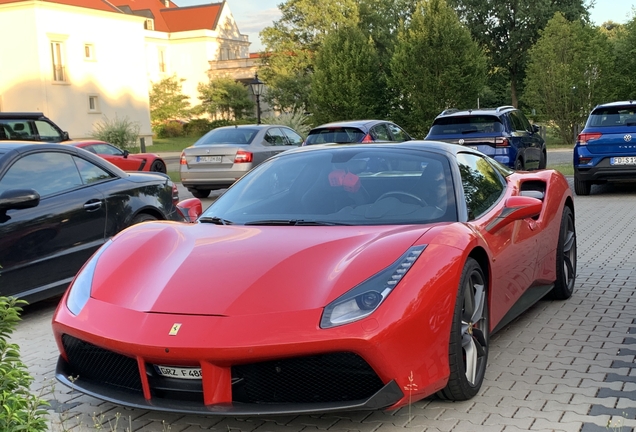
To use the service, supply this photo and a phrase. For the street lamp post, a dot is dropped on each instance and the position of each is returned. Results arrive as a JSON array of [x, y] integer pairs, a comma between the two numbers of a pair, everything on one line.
[[257, 89]]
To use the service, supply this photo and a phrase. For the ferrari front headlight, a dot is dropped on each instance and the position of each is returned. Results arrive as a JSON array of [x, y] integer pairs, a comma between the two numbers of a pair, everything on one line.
[[80, 290], [365, 298]]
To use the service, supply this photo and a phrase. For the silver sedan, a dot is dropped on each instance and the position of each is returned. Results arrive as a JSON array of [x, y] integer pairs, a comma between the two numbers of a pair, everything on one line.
[[225, 154]]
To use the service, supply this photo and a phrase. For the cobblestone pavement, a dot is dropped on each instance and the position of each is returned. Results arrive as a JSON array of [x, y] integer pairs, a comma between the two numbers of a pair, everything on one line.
[[561, 366]]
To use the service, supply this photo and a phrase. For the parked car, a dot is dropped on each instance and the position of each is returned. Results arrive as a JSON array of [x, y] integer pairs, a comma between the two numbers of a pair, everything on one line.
[[30, 126], [605, 150], [58, 204], [503, 133], [357, 131], [328, 278], [123, 158], [223, 155]]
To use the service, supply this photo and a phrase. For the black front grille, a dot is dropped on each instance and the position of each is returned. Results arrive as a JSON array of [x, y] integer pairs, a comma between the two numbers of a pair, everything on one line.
[[92, 363], [335, 377]]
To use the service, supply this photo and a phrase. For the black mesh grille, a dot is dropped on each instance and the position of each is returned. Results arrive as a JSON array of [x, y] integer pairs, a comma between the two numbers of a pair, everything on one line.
[[336, 377], [92, 363]]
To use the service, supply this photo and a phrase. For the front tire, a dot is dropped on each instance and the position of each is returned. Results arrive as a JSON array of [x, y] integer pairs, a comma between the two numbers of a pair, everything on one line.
[[582, 187], [199, 193], [519, 165], [468, 347], [566, 257]]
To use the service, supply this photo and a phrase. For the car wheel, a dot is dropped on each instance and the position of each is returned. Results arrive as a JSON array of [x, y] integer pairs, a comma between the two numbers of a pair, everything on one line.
[[543, 160], [143, 217], [468, 347], [199, 193], [582, 187], [519, 165], [565, 258], [158, 166]]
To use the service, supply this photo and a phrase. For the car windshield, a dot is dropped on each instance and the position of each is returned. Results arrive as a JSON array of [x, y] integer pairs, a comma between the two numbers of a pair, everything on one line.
[[334, 135], [466, 125], [341, 186], [613, 116], [227, 136]]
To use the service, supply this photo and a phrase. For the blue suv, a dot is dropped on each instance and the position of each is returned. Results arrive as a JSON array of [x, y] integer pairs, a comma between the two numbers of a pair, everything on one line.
[[503, 133], [606, 148]]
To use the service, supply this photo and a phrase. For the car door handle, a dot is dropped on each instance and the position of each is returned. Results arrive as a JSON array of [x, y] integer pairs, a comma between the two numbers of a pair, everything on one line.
[[93, 205]]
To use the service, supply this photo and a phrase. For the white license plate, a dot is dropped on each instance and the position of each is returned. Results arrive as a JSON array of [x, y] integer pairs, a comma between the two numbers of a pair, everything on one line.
[[625, 160], [178, 372], [209, 159]]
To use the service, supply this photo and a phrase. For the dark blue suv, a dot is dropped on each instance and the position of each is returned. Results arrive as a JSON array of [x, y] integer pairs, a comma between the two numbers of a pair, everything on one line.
[[606, 148], [503, 133]]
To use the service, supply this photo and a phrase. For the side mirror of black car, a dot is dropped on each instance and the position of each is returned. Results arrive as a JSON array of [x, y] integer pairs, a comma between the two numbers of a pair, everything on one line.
[[16, 199], [65, 136]]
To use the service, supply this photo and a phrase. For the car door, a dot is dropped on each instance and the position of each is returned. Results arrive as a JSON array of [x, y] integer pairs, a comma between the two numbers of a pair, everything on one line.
[[115, 156], [42, 248], [513, 247], [526, 140]]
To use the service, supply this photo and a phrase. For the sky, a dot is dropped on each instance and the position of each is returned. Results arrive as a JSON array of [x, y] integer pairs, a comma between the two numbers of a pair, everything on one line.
[[253, 15]]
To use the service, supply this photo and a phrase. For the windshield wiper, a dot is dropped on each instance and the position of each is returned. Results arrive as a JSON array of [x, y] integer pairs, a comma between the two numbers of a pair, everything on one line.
[[215, 220], [291, 222]]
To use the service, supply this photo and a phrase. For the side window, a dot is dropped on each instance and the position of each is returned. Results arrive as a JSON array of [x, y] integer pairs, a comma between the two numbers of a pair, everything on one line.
[[47, 173], [105, 149], [47, 132], [398, 133], [482, 185], [275, 137], [517, 123], [380, 133], [90, 172], [293, 137], [524, 121]]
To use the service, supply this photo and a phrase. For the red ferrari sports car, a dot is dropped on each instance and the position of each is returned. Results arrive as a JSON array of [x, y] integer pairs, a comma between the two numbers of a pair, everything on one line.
[[330, 277], [123, 159]]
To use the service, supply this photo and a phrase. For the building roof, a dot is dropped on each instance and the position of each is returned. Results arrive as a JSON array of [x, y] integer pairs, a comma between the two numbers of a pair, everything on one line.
[[167, 16]]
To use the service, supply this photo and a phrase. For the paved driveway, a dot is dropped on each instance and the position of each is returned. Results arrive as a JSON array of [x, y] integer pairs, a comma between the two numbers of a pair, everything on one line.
[[561, 366]]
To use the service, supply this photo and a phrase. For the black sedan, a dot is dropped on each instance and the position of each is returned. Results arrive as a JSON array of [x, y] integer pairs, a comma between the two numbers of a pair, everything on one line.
[[58, 204]]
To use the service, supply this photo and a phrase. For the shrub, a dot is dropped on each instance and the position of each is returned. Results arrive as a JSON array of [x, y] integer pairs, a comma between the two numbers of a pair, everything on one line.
[[170, 130], [295, 120], [197, 127], [121, 132], [19, 409]]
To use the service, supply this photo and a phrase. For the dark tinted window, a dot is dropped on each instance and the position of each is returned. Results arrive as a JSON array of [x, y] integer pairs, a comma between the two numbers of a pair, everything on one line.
[[104, 149], [227, 136], [466, 125], [90, 172], [613, 116], [398, 133], [517, 122], [275, 137], [482, 184], [380, 133], [335, 135], [46, 172], [352, 186]]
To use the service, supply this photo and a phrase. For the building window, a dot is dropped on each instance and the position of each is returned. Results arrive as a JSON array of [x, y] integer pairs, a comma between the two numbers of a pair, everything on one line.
[[162, 60], [93, 104], [59, 67], [149, 24], [89, 52]]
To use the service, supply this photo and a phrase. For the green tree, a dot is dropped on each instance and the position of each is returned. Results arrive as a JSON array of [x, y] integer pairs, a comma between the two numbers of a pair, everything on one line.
[[624, 41], [167, 102], [568, 73], [507, 29], [346, 84], [291, 43], [225, 97], [436, 65]]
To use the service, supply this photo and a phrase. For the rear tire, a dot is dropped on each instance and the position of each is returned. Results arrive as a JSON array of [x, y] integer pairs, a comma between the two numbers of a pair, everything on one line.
[[158, 166], [199, 193], [143, 217], [582, 187], [543, 160], [519, 165], [565, 258], [468, 347]]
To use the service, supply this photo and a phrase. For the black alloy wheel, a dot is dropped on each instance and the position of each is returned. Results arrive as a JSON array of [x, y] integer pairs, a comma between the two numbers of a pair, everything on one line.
[[566, 257]]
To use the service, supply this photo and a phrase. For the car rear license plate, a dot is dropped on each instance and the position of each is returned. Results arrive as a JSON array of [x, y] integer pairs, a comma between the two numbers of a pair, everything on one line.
[[178, 372], [624, 160], [209, 159]]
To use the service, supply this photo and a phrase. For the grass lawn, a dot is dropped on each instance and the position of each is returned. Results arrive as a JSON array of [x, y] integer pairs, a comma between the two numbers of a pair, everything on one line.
[[565, 169], [170, 144]]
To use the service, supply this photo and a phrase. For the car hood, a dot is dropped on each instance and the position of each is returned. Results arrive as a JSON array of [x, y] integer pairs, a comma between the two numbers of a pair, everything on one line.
[[206, 269]]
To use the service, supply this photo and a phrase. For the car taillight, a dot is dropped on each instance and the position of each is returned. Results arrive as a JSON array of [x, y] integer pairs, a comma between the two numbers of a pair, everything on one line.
[[243, 156], [502, 142], [183, 161], [175, 194], [588, 136], [584, 160], [367, 139]]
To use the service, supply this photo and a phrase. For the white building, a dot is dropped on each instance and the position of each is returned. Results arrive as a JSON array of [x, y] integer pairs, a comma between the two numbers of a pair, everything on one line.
[[80, 60]]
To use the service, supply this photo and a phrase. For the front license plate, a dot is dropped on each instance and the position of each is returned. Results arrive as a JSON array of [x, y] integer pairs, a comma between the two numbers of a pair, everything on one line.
[[209, 159], [625, 160], [178, 372]]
